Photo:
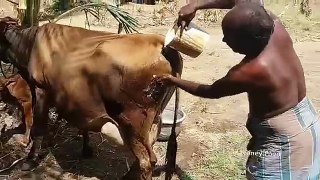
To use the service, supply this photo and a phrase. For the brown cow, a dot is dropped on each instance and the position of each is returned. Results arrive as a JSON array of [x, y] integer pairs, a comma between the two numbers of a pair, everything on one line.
[[100, 82], [15, 90]]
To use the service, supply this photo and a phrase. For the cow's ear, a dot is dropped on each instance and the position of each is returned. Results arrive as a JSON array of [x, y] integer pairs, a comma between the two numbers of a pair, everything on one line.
[[7, 21]]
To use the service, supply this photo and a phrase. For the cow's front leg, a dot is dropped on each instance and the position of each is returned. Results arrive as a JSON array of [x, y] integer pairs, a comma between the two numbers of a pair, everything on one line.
[[87, 151], [39, 128]]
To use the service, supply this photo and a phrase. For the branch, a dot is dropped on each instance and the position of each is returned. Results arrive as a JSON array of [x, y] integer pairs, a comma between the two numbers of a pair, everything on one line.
[[67, 13], [128, 23], [10, 1]]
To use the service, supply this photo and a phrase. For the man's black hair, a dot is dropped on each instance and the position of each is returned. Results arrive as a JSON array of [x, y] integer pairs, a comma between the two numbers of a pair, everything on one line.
[[251, 25], [259, 25]]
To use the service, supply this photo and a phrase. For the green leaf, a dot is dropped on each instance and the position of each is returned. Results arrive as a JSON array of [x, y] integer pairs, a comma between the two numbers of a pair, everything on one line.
[[129, 23]]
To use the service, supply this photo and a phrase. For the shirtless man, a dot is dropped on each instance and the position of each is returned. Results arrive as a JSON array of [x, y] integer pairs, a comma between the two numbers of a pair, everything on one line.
[[282, 121]]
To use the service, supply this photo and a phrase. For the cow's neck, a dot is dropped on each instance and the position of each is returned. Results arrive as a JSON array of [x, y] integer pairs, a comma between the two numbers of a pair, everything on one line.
[[21, 42]]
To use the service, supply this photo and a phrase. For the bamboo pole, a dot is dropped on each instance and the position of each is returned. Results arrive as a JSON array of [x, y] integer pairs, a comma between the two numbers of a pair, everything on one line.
[[35, 19], [28, 17], [29, 10]]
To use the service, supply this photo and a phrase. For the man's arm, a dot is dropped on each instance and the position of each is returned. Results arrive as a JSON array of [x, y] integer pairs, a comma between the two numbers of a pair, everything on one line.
[[220, 4], [188, 12], [233, 83]]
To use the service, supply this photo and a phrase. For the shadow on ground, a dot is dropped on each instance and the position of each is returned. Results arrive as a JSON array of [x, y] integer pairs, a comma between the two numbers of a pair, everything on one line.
[[62, 159]]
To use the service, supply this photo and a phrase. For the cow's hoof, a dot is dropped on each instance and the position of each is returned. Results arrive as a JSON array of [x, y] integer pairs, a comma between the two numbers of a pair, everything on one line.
[[128, 176], [157, 170], [87, 152], [134, 173], [29, 165]]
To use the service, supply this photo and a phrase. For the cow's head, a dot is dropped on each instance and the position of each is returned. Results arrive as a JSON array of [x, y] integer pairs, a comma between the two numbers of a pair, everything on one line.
[[5, 24]]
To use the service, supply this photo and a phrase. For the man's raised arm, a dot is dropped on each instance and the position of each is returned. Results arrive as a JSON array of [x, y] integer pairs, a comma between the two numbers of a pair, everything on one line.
[[187, 12], [220, 4]]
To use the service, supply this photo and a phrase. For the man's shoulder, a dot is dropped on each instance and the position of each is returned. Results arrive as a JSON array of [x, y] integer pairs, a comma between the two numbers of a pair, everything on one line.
[[248, 70]]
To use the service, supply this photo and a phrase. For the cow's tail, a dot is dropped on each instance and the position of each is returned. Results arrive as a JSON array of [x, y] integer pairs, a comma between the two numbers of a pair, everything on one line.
[[176, 62]]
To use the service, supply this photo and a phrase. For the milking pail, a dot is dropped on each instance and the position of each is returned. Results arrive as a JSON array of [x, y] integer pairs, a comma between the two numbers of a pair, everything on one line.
[[190, 41]]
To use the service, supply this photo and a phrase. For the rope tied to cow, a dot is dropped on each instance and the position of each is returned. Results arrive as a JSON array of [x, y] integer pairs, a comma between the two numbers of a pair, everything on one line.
[[172, 142]]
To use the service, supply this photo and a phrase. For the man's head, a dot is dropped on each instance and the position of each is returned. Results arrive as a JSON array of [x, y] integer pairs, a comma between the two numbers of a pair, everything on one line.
[[247, 28]]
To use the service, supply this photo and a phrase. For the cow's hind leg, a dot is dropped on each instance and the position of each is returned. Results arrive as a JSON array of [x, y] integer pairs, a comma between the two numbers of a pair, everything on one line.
[[141, 169], [137, 134], [101, 123]]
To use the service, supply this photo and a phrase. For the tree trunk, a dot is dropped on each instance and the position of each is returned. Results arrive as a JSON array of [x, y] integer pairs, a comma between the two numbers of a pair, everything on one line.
[[36, 9], [31, 13], [28, 17], [64, 5], [71, 3]]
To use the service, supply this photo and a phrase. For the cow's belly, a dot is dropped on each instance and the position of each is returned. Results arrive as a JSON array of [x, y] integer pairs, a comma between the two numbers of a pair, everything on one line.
[[77, 100]]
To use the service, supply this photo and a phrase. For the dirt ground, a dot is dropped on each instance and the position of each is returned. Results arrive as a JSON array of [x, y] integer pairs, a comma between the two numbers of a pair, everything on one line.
[[212, 143]]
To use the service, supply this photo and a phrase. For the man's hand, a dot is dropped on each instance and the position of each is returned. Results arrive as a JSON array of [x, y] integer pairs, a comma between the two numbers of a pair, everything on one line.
[[186, 14], [165, 79]]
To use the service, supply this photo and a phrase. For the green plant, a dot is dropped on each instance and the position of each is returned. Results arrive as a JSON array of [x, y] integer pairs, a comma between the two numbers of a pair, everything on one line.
[[128, 23], [305, 8]]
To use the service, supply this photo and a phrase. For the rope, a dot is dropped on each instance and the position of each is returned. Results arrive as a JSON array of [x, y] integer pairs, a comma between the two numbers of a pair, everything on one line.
[[13, 164], [172, 142]]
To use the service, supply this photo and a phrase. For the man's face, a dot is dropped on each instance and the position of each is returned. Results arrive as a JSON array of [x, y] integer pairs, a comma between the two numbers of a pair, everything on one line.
[[234, 40]]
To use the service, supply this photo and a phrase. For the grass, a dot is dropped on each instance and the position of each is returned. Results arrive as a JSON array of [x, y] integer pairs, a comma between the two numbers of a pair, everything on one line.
[[226, 161], [300, 27]]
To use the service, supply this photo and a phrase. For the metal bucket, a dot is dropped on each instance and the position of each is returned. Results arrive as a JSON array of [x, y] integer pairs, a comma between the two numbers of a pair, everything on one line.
[[191, 41], [167, 117]]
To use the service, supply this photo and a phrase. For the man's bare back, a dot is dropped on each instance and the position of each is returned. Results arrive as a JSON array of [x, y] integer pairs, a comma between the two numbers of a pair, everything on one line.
[[276, 76]]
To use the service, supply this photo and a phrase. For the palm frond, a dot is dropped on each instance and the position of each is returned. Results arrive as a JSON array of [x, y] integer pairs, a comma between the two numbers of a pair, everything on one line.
[[128, 23]]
